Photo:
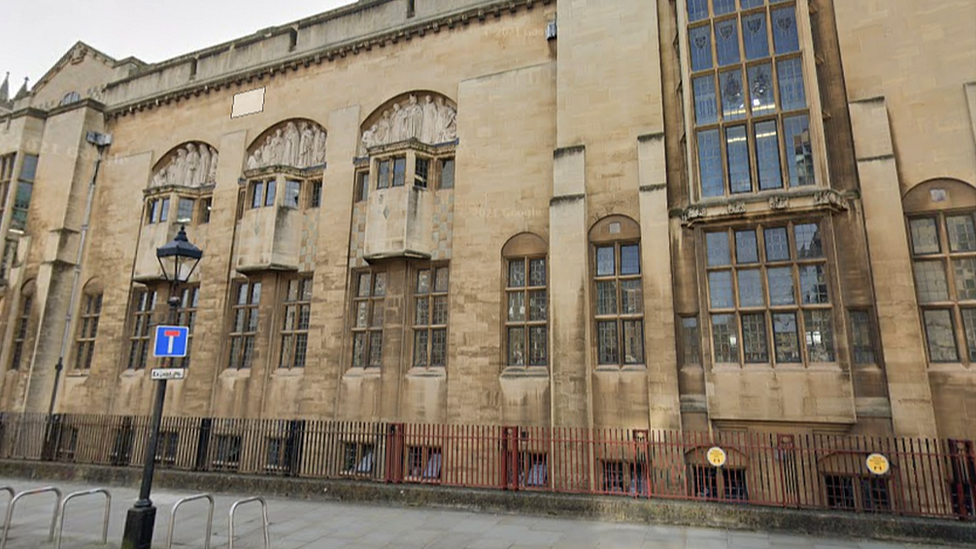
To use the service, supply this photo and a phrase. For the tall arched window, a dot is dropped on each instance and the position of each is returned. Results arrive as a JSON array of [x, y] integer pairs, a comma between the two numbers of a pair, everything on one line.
[[91, 309], [618, 296], [942, 241], [526, 301], [22, 326]]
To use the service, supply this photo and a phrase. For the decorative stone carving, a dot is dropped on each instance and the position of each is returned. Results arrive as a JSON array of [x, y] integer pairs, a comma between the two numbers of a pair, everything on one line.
[[779, 202], [830, 198], [193, 165], [736, 208], [429, 121], [692, 213], [295, 144]]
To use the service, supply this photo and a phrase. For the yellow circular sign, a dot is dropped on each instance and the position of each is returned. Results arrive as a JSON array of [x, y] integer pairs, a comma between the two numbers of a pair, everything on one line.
[[716, 456], [878, 464]]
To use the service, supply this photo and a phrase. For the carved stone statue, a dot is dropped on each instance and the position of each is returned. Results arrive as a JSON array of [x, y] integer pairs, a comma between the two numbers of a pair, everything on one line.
[[429, 132], [277, 148], [413, 119], [431, 122], [192, 165], [204, 172], [160, 178], [369, 137], [446, 122], [212, 176], [177, 169], [384, 127], [318, 151], [254, 161], [291, 138], [305, 145]]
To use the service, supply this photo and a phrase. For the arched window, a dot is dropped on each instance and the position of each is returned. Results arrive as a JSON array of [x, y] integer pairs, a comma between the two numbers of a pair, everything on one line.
[[91, 309], [526, 301], [618, 292], [942, 240], [22, 327]]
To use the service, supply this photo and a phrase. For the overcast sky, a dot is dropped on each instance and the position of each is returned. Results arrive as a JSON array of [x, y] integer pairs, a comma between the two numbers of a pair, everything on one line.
[[34, 34]]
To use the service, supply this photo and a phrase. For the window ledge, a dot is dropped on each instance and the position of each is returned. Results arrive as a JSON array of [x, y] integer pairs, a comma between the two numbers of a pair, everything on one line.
[[516, 372], [289, 372], [433, 371], [948, 367], [362, 372], [130, 372], [624, 368], [77, 373], [236, 372]]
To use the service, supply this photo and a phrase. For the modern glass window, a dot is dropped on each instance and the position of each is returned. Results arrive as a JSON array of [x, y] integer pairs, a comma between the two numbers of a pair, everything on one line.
[[91, 308], [430, 318], [22, 326], [244, 330], [446, 173], [362, 186], [751, 116], [293, 192], [263, 193], [187, 316], [206, 206], [527, 312], [141, 326], [297, 310], [421, 172], [315, 194], [184, 211], [368, 308], [619, 304], [943, 249], [769, 295], [25, 188]]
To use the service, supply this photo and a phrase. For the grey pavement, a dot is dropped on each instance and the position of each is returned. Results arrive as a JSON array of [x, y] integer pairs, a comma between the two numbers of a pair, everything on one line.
[[325, 525]]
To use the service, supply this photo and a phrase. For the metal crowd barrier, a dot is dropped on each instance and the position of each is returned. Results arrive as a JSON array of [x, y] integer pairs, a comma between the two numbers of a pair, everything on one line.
[[13, 503], [64, 505], [206, 540], [264, 515]]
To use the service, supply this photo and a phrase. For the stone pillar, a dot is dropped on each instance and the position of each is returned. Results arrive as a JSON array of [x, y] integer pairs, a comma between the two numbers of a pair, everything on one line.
[[570, 311], [904, 353], [664, 406]]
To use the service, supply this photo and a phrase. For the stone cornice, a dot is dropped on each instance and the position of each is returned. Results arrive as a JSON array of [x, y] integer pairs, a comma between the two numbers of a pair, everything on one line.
[[746, 206], [330, 52]]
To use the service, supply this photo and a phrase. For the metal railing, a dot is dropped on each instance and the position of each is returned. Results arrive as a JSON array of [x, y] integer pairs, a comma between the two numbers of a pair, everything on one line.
[[210, 513], [923, 476], [10, 491], [25, 493], [64, 506], [264, 517]]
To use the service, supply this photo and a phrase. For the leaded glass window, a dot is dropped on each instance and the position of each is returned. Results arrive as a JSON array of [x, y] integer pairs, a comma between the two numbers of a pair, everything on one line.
[[751, 118], [769, 295], [527, 312], [619, 304], [430, 317], [943, 247], [296, 315], [246, 299], [367, 327]]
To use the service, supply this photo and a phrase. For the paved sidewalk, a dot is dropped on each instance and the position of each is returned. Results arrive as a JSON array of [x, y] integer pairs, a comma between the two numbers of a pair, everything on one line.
[[318, 525]]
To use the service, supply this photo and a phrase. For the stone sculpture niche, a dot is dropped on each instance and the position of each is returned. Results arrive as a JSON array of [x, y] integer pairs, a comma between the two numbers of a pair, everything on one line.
[[295, 143], [188, 165], [431, 120]]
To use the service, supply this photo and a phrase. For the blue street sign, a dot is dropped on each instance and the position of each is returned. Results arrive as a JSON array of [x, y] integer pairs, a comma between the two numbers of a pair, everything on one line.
[[170, 341]]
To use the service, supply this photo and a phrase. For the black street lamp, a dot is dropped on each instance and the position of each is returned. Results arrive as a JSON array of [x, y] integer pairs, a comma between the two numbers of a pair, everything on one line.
[[178, 259]]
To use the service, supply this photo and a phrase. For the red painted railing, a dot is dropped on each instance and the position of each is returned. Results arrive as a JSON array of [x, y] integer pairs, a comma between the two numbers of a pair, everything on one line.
[[912, 476]]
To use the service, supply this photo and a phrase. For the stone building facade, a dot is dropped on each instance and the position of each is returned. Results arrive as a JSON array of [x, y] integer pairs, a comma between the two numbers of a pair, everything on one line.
[[674, 214]]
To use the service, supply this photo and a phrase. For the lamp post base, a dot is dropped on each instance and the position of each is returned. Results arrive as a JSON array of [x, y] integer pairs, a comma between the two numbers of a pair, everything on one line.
[[139, 523]]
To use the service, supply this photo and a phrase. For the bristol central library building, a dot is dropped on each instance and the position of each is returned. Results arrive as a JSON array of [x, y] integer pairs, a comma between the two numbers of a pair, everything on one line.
[[686, 215]]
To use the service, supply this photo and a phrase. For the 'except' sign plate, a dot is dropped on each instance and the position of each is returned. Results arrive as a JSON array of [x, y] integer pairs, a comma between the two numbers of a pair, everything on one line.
[[168, 373]]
